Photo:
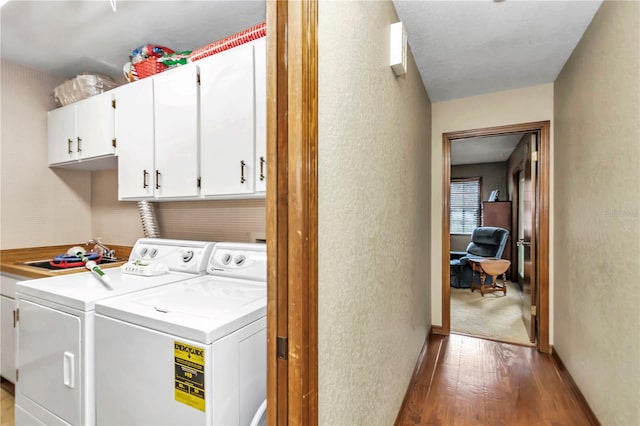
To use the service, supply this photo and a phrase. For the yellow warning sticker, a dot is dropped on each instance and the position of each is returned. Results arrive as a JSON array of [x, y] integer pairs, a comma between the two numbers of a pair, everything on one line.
[[189, 375]]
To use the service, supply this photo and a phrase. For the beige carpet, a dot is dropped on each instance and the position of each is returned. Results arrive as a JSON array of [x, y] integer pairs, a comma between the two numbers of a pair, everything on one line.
[[493, 316]]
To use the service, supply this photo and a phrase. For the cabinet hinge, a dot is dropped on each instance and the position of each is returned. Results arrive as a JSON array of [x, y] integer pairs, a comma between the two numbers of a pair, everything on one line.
[[198, 78], [534, 310], [534, 156], [199, 182], [113, 104], [113, 142], [17, 374], [282, 349]]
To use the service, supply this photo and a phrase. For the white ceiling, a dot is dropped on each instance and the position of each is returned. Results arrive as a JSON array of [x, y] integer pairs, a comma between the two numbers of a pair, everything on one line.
[[71, 37], [488, 149], [467, 48], [462, 48]]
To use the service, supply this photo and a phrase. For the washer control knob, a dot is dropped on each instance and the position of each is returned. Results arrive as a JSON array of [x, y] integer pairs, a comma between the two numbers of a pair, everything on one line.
[[143, 251], [153, 252], [187, 255], [226, 258], [239, 259]]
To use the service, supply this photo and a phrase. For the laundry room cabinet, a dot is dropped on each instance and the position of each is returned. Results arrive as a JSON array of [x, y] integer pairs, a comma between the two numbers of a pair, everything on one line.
[[157, 133], [7, 323], [227, 120], [81, 135], [135, 136], [195, 132], [260, 78], [8, 348], [175, 103]]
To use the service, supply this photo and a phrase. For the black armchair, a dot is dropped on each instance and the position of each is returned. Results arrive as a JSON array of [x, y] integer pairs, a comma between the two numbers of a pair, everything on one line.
[[486, 241]]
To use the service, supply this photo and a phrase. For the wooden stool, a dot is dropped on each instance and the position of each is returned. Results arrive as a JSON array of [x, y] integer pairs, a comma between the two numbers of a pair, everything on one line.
[[493, 268]]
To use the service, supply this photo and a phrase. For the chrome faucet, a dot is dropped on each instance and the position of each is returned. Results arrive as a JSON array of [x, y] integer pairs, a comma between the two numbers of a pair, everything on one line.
[[107, 252]]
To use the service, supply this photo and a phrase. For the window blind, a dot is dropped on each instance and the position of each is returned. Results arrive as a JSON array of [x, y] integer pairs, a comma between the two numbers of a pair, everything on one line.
[[464, 205]]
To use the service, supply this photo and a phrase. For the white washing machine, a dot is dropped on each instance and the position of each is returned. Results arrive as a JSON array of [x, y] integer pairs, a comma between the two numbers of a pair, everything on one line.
[[55, 329], [190, 353]]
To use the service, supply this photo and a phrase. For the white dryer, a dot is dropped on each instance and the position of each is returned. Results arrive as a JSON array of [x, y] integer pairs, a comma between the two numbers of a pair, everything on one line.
[[190, 353], [55, 328]]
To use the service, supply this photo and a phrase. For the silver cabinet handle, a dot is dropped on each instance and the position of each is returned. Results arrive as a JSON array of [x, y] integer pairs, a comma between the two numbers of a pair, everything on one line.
[[157, 179], [242, 165], [69, 150], [262, 161], [144, 179], [79, 147]]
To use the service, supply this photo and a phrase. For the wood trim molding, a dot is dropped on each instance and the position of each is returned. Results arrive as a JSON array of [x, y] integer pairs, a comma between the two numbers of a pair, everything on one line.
[[593, 419], [435, 329], [292, 211], [414, 377], [276, 205], [445, 328], [542, 266], [542, 214]]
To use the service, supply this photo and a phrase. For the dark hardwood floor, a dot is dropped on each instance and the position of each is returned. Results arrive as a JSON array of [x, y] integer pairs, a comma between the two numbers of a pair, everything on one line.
[[469, 381]]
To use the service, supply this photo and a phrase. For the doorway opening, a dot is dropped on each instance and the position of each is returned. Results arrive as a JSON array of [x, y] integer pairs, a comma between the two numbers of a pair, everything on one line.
[[482, 198], [534, 244]]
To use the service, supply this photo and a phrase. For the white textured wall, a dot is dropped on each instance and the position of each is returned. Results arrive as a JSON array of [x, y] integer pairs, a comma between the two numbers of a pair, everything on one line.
[[115, 222], [373, 224], [494, 109], [597, 214], [38, 205], [118, 222]]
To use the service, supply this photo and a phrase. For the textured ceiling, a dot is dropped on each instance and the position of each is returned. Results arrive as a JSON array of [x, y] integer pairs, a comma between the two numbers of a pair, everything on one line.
[[467, 48], [71, 37], [489, 149]]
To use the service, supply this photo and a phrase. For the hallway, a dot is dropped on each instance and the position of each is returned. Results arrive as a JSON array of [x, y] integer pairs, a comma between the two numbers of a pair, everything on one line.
[[468, 381]]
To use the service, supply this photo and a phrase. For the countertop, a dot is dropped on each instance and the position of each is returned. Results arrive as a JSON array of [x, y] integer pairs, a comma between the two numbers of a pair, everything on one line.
[[12, 260]]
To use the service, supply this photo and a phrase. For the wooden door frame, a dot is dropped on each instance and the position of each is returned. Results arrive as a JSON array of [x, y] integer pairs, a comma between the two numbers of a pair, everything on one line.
[[515, 182], [542, 220], [292, 212]]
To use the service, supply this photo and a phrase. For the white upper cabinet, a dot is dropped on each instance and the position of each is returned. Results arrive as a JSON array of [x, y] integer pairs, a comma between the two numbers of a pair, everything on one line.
[[227, 120], [95, 124], [176, 133], [83, 131], [134, 128], [62, 135], [260, 78], [198, 131]]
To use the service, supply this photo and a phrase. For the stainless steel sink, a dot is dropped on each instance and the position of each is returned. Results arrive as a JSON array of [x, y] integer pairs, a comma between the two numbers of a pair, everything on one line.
[[44, 264]]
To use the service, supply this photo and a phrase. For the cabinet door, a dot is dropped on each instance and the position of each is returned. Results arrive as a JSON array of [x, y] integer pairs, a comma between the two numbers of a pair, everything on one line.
[[176, 132], [49, 359], [227, 120], [95, 116], [134, 137], [61, 134], [261, 113], [7, 342]]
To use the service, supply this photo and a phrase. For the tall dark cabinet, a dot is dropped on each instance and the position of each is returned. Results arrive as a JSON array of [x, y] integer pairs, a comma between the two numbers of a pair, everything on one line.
[[498, 213]]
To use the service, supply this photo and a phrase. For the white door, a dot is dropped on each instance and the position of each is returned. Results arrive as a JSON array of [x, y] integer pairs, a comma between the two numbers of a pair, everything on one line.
[[176, 132], [61, 134], [261, 113], [227, 122], [49, 359], [134, 136], [95, 116], [7, 339]]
